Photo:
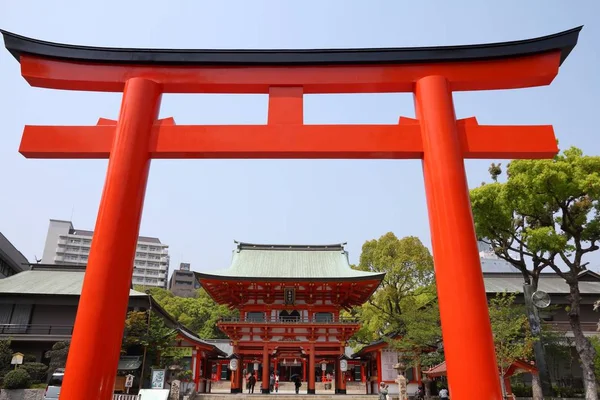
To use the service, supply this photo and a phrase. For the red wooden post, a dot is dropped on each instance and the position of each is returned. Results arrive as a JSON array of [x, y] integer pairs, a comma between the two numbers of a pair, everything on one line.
[[219, 371], [463, 306], [304, 377], [198, 367], [265, 370], [311, 369], [91, 370]]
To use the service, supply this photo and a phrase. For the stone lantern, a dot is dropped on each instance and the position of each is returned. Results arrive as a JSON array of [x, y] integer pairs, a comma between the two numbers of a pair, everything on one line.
[[401, 380]]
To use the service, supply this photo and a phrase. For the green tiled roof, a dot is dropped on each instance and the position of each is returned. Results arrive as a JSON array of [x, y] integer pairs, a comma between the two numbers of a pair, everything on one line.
[[52, 281], [287, 262]]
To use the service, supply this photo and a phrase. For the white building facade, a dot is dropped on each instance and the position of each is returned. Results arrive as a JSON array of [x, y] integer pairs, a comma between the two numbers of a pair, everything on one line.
[[66, 245]]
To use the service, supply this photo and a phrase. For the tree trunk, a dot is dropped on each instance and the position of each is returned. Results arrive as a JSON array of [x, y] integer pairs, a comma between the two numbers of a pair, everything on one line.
[[536, 387], [583, 346], [541, 384]]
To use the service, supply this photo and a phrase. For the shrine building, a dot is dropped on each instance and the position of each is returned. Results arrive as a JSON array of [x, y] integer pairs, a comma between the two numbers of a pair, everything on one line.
[[289, 299]]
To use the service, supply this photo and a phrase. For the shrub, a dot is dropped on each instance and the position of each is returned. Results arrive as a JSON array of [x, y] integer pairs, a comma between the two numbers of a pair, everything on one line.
[[37, 371], [29, 358], [17, 379], [521, 390]]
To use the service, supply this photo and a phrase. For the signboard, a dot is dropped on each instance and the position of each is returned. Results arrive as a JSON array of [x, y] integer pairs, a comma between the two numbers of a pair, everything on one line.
[[289, 295], [17, 359], [154, 394], [158, 378], [389, 358], [129, 381]]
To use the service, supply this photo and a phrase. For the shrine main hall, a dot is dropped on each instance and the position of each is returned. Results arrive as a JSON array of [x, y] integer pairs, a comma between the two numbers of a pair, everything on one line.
[[290, 300]]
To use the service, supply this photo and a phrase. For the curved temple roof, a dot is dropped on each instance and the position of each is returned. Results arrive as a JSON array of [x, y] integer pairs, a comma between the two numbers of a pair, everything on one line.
[[290, 263], [563, 42]]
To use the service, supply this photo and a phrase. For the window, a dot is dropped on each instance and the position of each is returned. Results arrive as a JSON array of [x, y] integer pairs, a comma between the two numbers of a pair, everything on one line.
[[323, 317], [72, 248], [74, 241], [142, 247], [152, 248], [138, 254], [255, 316]]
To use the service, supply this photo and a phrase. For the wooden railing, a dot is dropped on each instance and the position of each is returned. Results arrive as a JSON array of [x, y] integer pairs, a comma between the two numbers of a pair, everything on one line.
[[35, 329], [289, 320]]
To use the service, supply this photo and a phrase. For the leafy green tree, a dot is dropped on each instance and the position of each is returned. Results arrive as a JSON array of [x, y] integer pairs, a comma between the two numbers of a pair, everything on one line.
[[512, 338], [546, 214], [5, 356], [200, 314], [152, 334], [404, 307], [58, 356]]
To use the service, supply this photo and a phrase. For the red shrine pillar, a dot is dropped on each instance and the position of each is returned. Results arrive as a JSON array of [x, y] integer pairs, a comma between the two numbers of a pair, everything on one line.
[[311, 371], [91, 369], [304, 378], [363, 378], [197, 368], [265, 371], [463, 305], [219, 371]]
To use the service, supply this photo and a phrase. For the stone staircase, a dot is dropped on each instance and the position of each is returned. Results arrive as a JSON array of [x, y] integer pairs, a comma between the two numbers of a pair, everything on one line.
[[352, 388], [222, 396]]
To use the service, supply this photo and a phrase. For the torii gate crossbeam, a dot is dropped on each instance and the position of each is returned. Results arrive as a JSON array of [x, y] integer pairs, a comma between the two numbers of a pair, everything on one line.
[[435, 137]]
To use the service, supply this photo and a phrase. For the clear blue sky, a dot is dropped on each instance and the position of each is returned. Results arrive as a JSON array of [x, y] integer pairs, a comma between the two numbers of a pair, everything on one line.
[[199, 207]]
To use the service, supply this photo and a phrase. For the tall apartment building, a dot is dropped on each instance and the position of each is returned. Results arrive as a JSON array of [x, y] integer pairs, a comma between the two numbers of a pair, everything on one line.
[[66, 245], [183, 282]]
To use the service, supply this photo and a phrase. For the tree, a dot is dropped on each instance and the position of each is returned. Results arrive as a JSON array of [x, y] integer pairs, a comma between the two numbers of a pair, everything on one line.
[[404, 307], [152, 334], [546, 215], [200, 314], [422, 332], [58, 356], [5, 356], [409, 272], [512, 337]]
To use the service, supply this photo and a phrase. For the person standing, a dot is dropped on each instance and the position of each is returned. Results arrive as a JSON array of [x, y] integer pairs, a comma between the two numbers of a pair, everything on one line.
[[276, 382], [297, 383], [251, 383], [444, 394], [271, 382], [383, 391]]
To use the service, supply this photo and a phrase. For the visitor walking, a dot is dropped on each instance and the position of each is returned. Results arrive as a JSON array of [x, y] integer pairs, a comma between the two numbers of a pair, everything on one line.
[[276, 383], [297, 383]]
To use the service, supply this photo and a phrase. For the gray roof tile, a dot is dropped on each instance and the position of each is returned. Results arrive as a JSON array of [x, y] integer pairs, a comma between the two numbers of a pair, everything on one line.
[[57, 282], [291, 262]]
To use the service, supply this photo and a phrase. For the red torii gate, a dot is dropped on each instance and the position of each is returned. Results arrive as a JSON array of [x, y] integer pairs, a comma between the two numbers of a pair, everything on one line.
[[436, 137]]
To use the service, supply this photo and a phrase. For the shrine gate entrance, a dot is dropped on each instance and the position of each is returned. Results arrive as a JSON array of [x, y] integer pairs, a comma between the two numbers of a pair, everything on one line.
[[435, 137]]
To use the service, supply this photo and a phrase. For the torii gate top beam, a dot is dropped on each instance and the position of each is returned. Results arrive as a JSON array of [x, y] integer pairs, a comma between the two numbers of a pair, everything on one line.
[[507, 65]]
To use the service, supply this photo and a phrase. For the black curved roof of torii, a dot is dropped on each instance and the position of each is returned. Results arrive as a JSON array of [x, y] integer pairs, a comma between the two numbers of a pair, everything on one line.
[[563, 42]]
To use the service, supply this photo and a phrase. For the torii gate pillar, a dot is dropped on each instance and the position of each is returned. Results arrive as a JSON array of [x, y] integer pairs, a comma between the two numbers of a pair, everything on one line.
[[436, 137]]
